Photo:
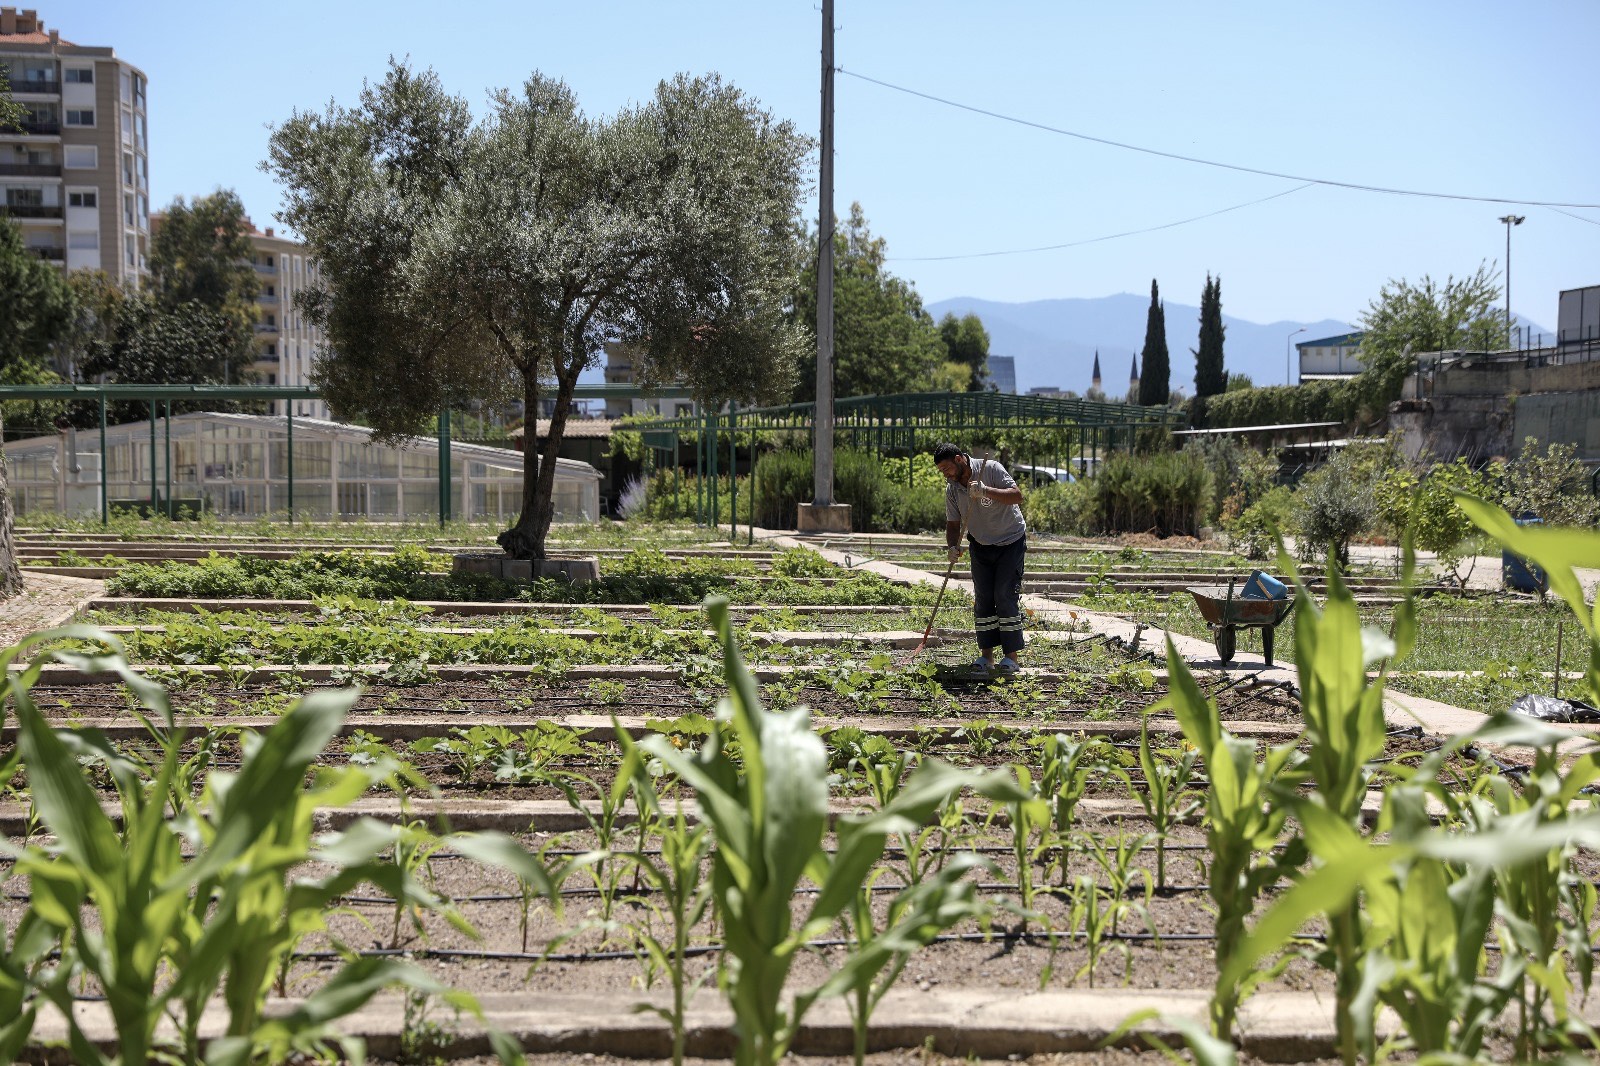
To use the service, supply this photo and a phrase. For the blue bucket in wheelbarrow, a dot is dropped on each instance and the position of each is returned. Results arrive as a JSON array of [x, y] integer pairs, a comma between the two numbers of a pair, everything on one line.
[[1518, 573]]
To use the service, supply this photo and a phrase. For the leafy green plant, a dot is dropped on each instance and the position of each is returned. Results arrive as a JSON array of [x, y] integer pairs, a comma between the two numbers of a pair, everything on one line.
[[1166, 796], [768, 816], [1246, 806], [163, 932]]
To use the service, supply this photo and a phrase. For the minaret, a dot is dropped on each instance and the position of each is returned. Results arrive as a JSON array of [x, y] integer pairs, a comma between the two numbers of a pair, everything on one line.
[[1094, 382]]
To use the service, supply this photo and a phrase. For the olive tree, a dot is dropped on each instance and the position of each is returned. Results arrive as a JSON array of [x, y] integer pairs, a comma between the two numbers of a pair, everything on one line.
[[496, 257]]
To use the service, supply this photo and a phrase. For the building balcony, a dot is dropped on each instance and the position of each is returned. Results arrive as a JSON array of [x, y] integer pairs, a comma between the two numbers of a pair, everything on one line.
[[266, 327], [262, 268], [33, 87], [30, 170], [269, 300], [49, 255], [40, 129], [31, 210]]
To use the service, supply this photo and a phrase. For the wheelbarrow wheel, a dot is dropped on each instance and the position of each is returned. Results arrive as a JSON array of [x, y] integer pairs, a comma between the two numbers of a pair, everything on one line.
[[1227, 642]]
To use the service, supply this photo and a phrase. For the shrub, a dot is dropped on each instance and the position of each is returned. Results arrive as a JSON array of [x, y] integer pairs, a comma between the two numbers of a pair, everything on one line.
[[1168, 493], [1254, 532], [1337, 505], [1553, 486], [912, 510], [1060, 507], [1240, 475]]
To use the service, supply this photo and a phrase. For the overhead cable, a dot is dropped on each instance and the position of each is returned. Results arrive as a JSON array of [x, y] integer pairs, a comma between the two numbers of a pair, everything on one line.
[[1210, 162], [1095, 240]]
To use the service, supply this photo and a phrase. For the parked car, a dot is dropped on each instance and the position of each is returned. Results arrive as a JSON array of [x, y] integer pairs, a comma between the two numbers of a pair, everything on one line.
[[1024, 474]]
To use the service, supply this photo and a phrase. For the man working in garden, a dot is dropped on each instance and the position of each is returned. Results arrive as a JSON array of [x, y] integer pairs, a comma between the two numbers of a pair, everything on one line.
[[980, 495]]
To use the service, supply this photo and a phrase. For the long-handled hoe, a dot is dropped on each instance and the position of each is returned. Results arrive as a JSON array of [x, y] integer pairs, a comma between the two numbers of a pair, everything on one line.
[[936, 602]]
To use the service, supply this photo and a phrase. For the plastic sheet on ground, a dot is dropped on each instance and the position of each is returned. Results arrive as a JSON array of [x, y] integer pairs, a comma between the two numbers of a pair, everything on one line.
[[1554, 709]]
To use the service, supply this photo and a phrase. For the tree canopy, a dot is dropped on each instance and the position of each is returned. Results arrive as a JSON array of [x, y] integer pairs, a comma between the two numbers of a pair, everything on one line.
[[201, 253], [966, 342], [465, 259], [1154, 388], [1210, 376], [37, 305], [1424, 316], [883, 340]]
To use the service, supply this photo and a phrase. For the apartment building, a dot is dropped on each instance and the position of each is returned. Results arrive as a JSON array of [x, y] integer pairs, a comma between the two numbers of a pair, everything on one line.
[[286, 341], [76, 177]]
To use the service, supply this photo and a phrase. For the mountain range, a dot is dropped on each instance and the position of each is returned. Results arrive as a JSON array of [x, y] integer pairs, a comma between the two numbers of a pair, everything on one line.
[[1054, 341]]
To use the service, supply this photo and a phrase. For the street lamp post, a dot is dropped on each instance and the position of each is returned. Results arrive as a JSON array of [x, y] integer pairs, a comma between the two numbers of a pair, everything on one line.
[[1288, 375], [1510, 220]]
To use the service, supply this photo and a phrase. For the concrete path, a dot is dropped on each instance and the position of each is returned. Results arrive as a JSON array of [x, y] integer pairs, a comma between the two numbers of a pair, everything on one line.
[[1438, 719]]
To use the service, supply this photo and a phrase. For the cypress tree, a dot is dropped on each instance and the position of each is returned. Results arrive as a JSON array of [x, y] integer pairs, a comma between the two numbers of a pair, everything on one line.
[[1210, 377], [1153, 383]]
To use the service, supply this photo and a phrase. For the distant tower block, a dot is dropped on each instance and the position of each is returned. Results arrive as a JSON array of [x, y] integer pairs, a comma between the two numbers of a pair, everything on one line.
[[1094, 382]]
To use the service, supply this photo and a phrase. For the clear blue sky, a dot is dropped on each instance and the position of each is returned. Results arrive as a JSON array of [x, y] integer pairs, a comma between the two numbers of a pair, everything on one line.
[[1473, 98]]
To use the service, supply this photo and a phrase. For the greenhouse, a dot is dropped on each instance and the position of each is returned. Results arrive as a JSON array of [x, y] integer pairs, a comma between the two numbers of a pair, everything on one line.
[[249, 466]]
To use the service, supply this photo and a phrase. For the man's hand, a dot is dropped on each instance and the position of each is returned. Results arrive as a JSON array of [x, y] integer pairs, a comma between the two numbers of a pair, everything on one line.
[[977, 490], [953, 552]]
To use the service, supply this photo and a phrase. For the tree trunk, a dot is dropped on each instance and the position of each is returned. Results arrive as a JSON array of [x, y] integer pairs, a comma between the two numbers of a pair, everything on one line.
[[526, 539], [10, 576]]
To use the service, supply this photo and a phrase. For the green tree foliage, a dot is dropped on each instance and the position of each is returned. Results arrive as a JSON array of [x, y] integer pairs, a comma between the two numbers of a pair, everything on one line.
[[1240, 475], [1210, 376], [35, 304], [150, 344], [1553, 486], [1154, 386], [1426, 506], [467, 259], [201, 254], [883, 340], [11, 112], [1408, 318], [966, 342], [1338, 500]]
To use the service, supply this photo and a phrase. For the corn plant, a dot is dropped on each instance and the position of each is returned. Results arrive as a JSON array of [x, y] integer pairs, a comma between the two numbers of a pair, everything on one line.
[[1094, 909], [682, 896], [1118, 859], [1065, 767], [1166, 797], [768, 823], [916, 914], [128, 909], [1344, 731], [1245, 810], [1024, 817]]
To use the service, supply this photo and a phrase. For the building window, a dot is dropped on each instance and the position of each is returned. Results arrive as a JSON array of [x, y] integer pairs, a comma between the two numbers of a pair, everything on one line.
[[86, 240], [127, 128], [80, 117], [88, 198], [138, 91], [272, 349], [272, 290], [127, 209], [78, 75], [130, 248], [82, 157]]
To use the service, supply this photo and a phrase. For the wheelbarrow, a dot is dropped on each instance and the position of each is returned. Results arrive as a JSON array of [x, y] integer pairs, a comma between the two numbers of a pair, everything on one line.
[[1227, 613]]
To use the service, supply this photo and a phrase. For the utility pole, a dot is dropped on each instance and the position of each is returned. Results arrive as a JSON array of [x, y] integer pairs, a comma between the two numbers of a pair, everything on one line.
[[822, 446]]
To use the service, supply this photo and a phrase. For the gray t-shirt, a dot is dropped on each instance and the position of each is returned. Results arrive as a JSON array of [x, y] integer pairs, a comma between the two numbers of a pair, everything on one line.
[[987, 522]]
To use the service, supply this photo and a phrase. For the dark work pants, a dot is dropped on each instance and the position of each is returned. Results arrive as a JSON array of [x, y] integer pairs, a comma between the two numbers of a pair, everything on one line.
[[997, 593]]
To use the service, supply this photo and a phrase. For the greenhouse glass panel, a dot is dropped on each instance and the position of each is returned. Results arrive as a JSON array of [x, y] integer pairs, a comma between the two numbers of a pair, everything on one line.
[[239, 465]]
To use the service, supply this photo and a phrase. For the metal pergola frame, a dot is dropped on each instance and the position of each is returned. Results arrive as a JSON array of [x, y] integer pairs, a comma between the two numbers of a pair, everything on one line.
[[158, 395], [892, 423]]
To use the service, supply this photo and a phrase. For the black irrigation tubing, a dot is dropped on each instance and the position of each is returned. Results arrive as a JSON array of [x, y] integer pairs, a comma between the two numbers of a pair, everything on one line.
[[987, 887]]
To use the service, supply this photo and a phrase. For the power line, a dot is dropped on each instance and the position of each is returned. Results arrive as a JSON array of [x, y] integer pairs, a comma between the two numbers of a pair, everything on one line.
[[1209, 162], [1095, 240], [1580, 218]]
